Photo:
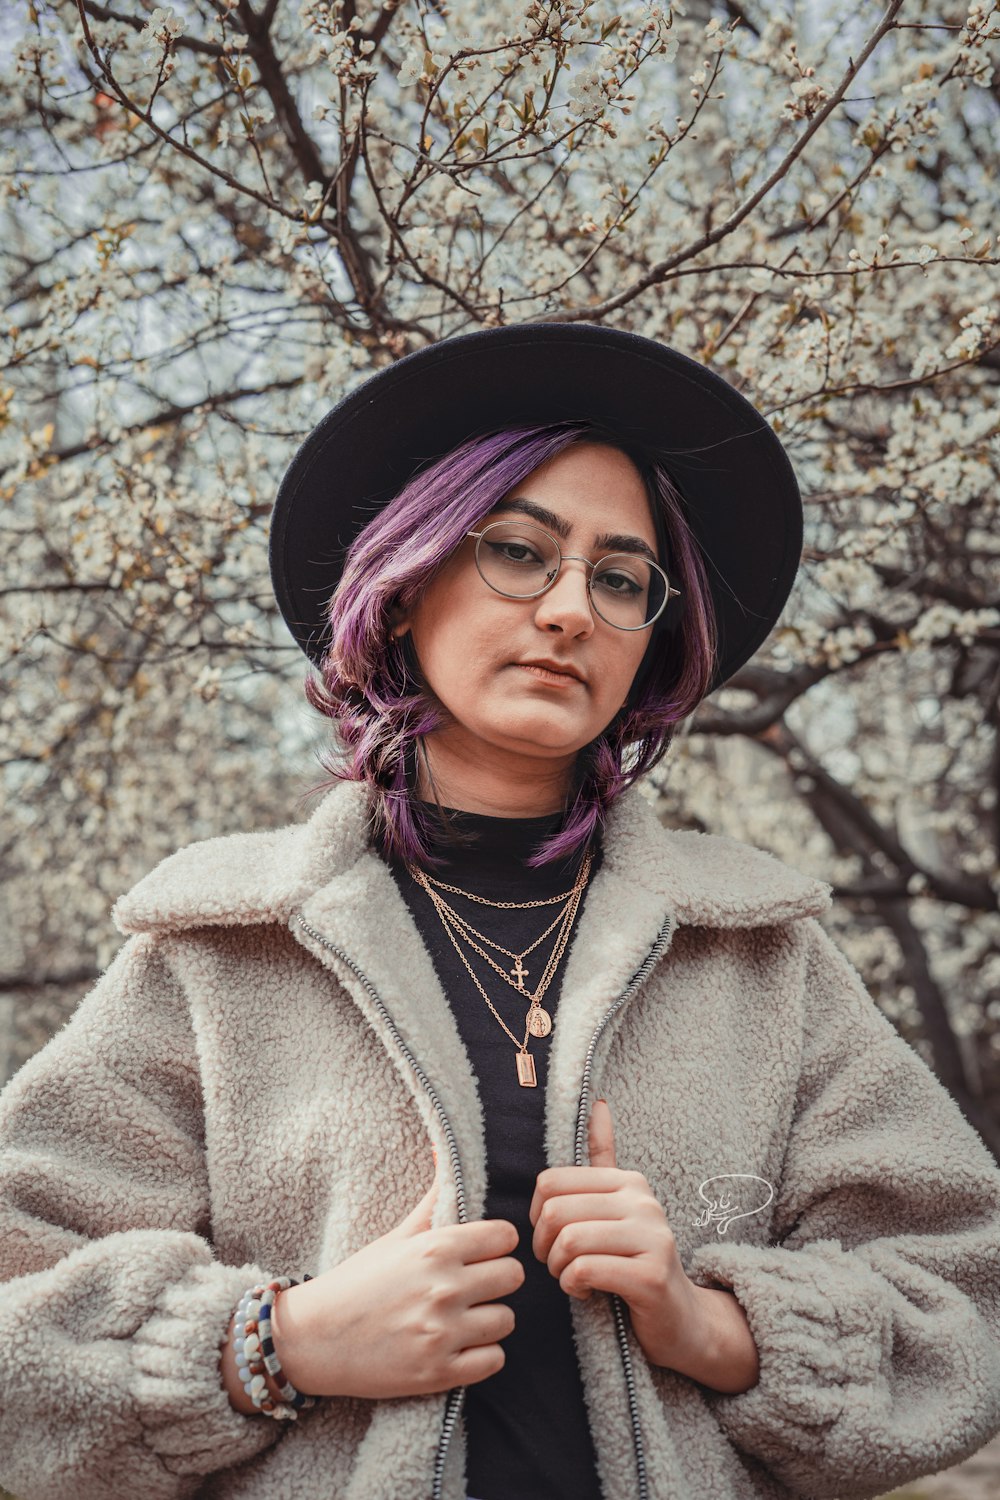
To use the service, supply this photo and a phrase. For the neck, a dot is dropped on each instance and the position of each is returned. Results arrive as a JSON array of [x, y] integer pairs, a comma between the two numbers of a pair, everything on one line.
[[501, 785]]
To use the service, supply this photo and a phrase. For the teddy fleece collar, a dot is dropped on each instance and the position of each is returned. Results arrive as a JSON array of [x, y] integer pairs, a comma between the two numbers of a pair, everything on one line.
[[704, 880]]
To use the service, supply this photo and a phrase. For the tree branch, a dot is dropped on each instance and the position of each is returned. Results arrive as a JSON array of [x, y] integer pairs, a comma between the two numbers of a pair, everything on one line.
[[961, 890], [189, 43], [663, 268], [948, 1063], [169, 415], [11, 982]]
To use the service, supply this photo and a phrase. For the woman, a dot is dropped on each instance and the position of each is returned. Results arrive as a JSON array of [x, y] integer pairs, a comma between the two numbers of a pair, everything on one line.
[[541, 1150]]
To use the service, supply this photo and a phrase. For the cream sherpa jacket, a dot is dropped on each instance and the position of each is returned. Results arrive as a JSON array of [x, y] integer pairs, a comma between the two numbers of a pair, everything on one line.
[[253, 1088]]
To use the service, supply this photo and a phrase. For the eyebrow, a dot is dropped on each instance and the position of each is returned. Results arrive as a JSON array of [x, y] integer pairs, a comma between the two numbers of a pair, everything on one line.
[[612, 541]]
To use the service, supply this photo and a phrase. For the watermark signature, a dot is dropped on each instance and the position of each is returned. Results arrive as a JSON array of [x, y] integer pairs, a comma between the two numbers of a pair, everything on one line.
[[720, 1210]]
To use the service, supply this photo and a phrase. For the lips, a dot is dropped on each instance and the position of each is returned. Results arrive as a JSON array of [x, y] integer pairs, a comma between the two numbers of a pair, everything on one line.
[[562, 669]]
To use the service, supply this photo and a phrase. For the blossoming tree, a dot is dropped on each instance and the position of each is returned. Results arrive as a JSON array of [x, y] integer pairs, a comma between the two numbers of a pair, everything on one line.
[[220, 216]]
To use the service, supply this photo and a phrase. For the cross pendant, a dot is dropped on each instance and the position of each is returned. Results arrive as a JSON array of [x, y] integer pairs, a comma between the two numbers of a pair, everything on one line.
[[519, 972]]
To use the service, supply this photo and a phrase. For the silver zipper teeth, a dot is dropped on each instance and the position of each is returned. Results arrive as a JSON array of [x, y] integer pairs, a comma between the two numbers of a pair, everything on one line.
[[582, 1118], [457, 1396]]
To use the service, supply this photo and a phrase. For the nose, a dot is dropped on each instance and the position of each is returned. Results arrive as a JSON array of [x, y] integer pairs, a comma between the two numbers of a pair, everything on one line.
[[566, 605]]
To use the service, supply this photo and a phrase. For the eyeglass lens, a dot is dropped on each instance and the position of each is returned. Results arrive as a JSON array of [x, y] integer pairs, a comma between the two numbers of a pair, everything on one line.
[[521, 560]]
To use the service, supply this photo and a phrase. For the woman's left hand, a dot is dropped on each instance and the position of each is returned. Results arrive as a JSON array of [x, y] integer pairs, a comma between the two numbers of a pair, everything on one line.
[[600, 1228]]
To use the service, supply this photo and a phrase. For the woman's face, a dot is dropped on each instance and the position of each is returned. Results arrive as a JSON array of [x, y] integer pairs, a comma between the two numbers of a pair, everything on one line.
[[474, 645]]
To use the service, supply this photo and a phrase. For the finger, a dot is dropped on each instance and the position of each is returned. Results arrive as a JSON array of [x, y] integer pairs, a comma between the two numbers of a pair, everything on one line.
[[572, 1208], [601, 1134], [420, 1216], [596, 1237], [555, 1180], [485, 1240], [602, 1273]]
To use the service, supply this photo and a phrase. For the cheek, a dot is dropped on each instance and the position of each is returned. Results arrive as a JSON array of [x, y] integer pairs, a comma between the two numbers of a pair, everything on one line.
[[458, 644], [618, 673]]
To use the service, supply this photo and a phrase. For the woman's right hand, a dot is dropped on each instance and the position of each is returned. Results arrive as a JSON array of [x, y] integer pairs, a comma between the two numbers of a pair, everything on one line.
[[411, 1313]]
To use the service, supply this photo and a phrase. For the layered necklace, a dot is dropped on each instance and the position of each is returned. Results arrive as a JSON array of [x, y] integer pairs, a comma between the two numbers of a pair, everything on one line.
[[537, 1020]]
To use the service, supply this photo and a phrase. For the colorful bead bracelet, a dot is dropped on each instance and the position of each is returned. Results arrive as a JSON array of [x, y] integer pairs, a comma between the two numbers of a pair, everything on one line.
[[255, 1353]]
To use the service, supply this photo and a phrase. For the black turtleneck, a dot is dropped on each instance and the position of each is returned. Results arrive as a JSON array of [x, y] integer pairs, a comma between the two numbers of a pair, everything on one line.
[[526, 1427]]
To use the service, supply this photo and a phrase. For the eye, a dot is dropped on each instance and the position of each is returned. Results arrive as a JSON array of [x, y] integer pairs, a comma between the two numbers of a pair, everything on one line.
[[514, 551], [617, 581]]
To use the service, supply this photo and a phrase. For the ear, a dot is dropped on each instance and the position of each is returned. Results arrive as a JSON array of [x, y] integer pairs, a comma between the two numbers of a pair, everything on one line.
[[399, 622]]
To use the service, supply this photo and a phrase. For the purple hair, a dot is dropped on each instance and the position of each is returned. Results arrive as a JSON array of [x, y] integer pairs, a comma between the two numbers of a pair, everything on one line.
[[372, 686]]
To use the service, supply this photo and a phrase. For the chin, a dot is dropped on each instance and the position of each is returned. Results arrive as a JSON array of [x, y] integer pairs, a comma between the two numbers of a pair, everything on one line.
[[532, 731]]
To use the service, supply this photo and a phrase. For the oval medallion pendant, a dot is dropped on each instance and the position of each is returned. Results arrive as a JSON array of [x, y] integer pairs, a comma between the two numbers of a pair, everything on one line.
[[538, 1021]]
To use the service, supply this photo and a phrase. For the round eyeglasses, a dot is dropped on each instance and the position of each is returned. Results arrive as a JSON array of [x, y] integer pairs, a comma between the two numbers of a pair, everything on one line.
[[521, 561]]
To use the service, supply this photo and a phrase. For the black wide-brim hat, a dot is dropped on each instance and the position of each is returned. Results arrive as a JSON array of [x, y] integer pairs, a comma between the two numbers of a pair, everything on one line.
[[740, 494]]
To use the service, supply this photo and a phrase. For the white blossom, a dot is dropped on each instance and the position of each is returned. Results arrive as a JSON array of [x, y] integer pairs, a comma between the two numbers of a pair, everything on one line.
[[161, 28], [144, 288]]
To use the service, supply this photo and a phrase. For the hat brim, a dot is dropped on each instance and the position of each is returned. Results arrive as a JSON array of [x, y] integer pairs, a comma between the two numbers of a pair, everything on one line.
[[740, 493]]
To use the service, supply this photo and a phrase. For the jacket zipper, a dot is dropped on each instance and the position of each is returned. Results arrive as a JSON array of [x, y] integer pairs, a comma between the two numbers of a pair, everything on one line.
[[582, 1118], [456, 1397]]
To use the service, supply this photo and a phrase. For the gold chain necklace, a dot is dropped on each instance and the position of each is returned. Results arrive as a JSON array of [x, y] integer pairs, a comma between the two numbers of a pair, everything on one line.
[[456, 890], [444, 910], [517, 968], [543, 1022], [538, 1022]]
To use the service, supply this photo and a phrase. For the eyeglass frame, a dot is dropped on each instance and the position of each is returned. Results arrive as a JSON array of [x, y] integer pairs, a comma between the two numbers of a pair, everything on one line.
[[671, 592]]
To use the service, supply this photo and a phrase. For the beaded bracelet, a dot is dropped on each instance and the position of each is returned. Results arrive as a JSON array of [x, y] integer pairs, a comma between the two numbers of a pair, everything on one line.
[[255, 1353], [272, 1364]]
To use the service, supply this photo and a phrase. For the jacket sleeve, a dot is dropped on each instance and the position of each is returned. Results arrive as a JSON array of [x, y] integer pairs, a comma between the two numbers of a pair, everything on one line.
[[112, 1304], [876, 1312]]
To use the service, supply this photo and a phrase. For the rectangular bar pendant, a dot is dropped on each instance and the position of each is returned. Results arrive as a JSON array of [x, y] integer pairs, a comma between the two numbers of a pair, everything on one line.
[[526, 1070]]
